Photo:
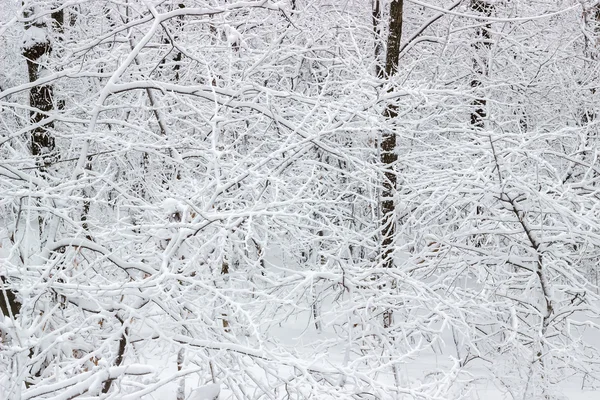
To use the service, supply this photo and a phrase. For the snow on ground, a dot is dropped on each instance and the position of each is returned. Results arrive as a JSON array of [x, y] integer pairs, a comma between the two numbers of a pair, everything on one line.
[[300, 334]]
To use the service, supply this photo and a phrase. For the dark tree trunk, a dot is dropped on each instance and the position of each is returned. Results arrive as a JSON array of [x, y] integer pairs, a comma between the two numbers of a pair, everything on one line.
[[9, 305], [119, 359], [389, 157], [592, 53], [480, 65], [481, 46], [41, 139], [178, 56], [181, 387], [388, 141], [377, 36], [41, 98]]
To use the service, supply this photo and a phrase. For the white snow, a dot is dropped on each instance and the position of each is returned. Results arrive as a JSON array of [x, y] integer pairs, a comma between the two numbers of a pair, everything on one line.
[[208, 392], [33, 35]]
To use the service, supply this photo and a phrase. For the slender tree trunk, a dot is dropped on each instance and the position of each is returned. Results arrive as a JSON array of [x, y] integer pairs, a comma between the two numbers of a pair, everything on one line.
[[41, 98], [41, 141], [225, 271], [178, 56], [388, 146], [377, 37], [591, 15], [481, 48], [9, 305], [119, 360], [176, 68], [480, 63], [181, 387]]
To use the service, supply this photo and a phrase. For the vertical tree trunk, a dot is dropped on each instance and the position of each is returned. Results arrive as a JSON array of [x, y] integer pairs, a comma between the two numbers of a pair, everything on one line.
[[9, 305], [591, 15], [178, 56], [480, 64], [181, 387], [120, 355], [41, 140], [377, 37], [481, 48], [388, 147], [41, 98]]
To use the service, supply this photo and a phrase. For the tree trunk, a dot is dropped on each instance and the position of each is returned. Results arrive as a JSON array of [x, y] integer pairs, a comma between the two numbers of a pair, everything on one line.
[[388, 148], [9, 305], [119, 360], [181, 387], [41, 97], [41, 139], [480, 64], [377, 37], [388, 142], [591, 15]]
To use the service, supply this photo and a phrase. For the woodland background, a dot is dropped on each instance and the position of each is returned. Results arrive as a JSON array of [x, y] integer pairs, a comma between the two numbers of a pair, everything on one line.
[[326, 199]]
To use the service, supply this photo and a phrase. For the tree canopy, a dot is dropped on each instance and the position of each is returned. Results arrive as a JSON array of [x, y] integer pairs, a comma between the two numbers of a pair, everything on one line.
[[328, 199]]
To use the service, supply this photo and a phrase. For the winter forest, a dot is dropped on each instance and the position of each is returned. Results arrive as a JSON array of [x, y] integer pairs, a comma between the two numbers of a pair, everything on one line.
[[299, 199]]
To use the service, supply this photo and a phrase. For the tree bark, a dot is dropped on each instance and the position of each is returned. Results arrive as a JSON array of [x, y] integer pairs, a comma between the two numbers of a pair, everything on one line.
[[119, 359], [388, 148], [591, 15], [41, 98], [377, 34], [181, 387], [388, 141], [480, 64], [41, 140], [9, 305]]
